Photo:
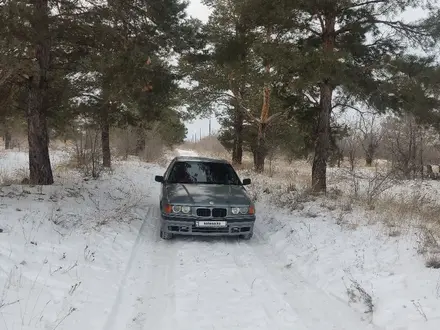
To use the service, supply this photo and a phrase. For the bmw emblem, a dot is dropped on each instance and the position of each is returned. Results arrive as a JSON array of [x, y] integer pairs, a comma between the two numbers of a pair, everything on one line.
[[211, 203]]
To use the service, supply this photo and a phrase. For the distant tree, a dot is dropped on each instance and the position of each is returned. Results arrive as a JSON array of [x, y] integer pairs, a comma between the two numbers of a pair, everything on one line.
[[404, 142], [371, 134]]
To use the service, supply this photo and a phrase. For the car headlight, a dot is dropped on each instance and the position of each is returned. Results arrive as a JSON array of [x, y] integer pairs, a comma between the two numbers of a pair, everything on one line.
[[243, 210], [177, 208], [186, 209]]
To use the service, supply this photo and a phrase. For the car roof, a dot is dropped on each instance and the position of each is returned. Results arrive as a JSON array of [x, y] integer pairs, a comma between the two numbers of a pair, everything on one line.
[[200, 159]]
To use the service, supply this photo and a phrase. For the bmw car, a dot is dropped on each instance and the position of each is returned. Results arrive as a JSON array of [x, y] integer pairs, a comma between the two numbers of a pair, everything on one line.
[[204, 196]]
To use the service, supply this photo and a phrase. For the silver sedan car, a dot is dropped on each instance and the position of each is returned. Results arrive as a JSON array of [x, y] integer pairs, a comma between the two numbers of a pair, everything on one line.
[[204, 196]]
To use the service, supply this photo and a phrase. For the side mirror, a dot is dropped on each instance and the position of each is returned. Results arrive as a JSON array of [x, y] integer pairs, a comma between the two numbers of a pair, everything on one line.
[[246, 182], [159, 178]]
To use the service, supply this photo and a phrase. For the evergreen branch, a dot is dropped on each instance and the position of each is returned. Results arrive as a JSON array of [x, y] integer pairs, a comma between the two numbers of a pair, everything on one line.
[[347, 106], [396, 25], [366, 3], [400, 26], [276, 116]]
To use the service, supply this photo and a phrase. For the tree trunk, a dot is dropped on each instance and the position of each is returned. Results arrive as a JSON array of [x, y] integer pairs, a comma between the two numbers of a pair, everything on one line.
[[38, 138], [259, 160], [241, 31], [368, 160], [105, 137], [261, 149], [140, 140], [369, 154], [260, 154], [340, 157], [319, 167], [40, 170], [254, 155], [7, 138], [237, 151]]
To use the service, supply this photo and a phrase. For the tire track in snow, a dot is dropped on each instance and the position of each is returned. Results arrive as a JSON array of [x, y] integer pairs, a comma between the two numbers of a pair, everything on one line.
[[318, 309], [278, 310], [157, 300], [115, 310], [146, 294], [212, 293]]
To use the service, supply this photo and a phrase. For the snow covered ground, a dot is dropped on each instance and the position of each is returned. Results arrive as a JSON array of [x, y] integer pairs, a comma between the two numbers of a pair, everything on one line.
[[14, 165], [87, 254]]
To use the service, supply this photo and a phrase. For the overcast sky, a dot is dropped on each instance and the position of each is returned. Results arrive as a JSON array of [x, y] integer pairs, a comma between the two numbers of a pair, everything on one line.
[[198, 10]]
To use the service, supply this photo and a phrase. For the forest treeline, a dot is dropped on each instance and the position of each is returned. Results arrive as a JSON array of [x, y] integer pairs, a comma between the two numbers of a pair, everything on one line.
[[275, 73]]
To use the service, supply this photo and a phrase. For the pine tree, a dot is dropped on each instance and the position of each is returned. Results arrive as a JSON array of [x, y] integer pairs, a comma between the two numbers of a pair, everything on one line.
[[233, 73], [40, 53], [224, 69], [340, 56], [65, 41], [129, 63]]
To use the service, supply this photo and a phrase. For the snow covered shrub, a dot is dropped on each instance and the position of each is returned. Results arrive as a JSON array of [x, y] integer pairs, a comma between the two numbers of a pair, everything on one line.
[[433, 261], [358, 295], [88, 152], [16, 177], [286, 194], [364, 184], [10, 173]]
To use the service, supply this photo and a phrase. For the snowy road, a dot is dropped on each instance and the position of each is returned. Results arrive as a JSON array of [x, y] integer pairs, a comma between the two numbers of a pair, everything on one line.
[[218, 283], [87, 255]]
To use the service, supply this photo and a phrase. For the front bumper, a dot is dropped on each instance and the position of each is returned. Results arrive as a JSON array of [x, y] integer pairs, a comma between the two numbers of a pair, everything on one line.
[[187, 226]]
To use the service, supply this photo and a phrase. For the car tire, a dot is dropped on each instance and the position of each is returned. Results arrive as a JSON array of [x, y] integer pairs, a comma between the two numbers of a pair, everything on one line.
[[165, 235], [247, 237]]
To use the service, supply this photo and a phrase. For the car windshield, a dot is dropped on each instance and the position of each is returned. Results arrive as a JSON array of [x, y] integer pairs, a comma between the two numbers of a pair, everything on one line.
[[203, 173]]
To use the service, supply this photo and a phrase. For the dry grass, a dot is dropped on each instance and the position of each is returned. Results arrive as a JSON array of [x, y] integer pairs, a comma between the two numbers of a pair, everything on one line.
[[412, 214], [19, 176], [371, 190]]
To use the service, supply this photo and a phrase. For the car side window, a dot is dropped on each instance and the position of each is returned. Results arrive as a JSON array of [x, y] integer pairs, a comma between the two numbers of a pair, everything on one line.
[[168, 170]]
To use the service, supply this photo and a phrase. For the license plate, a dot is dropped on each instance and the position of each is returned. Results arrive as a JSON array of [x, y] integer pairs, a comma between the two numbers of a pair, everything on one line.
[[215, 224]]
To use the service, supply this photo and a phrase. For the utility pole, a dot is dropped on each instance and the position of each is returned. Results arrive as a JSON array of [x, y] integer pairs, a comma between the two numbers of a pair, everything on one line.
[[209, 127]]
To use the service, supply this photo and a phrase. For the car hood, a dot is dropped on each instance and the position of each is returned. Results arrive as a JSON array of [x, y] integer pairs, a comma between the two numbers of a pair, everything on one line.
[[203, 194]]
